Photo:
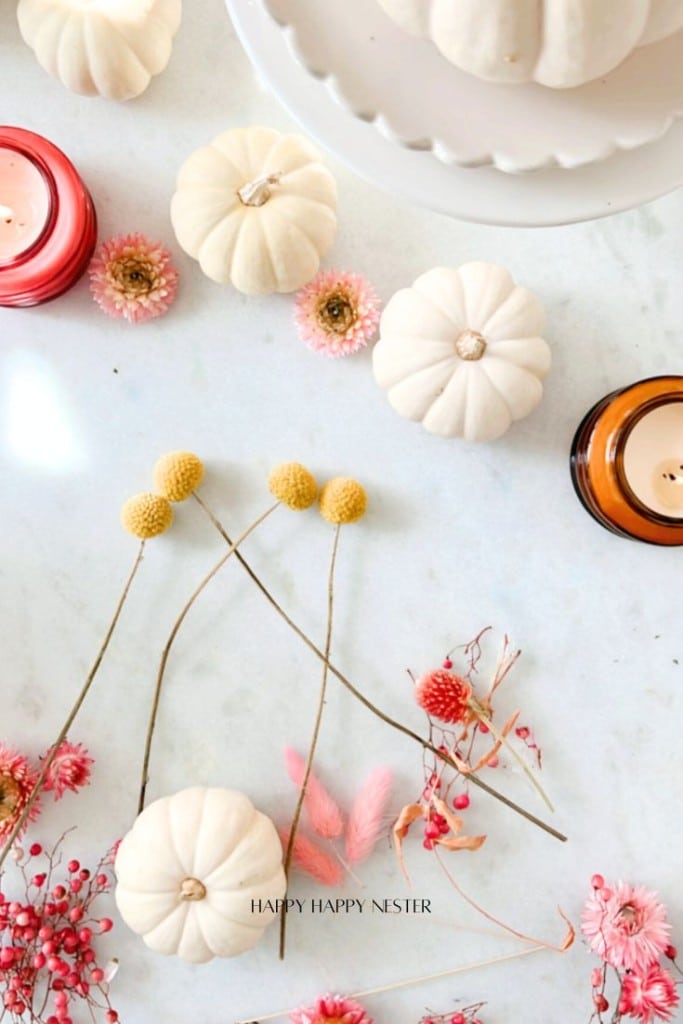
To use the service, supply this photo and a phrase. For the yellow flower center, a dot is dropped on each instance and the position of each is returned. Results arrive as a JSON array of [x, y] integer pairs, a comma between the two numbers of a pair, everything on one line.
[[133, 276], [10, 794], [336, 314]]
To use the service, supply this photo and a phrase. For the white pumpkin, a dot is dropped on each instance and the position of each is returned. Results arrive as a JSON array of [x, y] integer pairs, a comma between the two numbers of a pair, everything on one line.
[[461, 351], [559, 43], [100, 47], [189, 868], [257, 209]]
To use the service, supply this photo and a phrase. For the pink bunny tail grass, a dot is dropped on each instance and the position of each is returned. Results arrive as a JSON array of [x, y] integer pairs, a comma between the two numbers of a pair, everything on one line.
[[312, 860], [366, 820], [323, 813]]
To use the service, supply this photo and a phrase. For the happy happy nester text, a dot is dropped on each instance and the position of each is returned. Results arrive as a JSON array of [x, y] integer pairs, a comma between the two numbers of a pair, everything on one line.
[[342, 906]]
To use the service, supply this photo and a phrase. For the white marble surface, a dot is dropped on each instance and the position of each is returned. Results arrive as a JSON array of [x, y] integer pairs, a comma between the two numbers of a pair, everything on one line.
[[456, 537]]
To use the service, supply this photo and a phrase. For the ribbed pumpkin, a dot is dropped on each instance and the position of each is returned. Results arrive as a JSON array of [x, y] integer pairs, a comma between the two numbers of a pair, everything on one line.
[[98, 47], [461, 352], [558, 43], [189, 868], [257, 209]]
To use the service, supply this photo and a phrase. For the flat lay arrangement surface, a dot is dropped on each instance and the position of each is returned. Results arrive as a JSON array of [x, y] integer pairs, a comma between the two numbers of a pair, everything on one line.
[[335, 689]]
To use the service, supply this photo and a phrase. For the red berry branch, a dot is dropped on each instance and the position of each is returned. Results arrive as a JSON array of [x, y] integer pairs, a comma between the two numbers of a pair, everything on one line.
[[48, 961]]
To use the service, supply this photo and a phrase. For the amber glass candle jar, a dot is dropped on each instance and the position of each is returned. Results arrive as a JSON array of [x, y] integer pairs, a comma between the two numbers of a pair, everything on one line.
[[48, 226], [627, 461]]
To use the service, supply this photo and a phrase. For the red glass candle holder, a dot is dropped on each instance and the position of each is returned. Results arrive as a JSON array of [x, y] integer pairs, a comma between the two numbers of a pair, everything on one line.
[[44, 254]]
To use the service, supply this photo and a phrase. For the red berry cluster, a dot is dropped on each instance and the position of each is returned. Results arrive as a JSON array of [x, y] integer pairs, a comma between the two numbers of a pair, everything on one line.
[[462, 743], [435, 825], [469, 1015], [47, 959]]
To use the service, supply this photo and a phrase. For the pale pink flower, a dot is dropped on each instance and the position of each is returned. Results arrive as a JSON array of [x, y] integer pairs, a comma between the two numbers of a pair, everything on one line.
[[133, 278], [648, 996], [337, 313], [626, 926], [18, 778], [69, 770], [332, 1010]]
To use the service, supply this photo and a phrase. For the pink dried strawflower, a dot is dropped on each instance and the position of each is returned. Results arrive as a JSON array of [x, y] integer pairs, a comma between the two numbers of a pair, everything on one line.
[[337, 313], [18, 778], [649, 996], [133, 278], [332, 1010], [70, 769], [444, 695], [626, 926]]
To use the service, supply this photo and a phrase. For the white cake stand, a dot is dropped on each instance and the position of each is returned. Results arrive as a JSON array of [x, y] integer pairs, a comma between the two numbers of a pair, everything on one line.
[[484, 195], [414, 96]]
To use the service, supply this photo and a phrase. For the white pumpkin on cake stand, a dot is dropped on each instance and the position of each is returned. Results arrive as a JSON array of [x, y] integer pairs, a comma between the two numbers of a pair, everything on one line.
[[560, 45]]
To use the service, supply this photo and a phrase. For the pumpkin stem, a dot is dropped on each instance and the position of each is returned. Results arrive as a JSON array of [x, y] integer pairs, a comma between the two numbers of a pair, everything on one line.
[[470, 345], [192, 890], [258, 192]]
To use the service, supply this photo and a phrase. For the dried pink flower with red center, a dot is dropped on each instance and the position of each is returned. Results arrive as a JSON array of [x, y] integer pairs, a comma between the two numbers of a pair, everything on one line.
[[332, 1010], [18, 778], [649, 996], [626, 926], [70, 769], [337, 313], [133, 278], [444, 695]]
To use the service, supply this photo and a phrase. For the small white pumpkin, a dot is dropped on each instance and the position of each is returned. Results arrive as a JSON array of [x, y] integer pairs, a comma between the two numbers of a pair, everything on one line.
[[559, 43], [257, 209], [98, 47], [189, 868], [461, 351]]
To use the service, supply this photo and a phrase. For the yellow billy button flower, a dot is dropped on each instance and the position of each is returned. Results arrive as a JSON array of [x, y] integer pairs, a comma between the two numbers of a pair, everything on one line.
[[178, 474], [146, 515], [343, 500], [293, 485]]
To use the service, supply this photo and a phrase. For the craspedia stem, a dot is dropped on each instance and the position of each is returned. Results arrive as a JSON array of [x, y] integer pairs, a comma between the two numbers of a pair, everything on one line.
[[425, 744], [156, 699], [316, 732], [47, 764]]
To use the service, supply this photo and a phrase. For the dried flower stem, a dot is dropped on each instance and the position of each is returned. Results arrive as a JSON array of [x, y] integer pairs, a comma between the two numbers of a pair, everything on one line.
[[316, 732], [409, 982], [47, 764], [482, 716], [425, 744], [144, 779], [569, 939]]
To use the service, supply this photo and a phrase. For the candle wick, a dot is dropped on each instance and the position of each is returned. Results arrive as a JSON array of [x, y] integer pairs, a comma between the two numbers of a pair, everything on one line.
[[6, 212]]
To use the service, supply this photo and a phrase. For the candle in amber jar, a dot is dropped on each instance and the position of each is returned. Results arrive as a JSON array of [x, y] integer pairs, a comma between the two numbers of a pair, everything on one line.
[[627, 461], [48, 226]]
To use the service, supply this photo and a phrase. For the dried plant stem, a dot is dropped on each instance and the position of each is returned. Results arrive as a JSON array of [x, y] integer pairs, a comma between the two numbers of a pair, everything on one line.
[[425, 744], [409, 982], [486, 719], [144, 779], [314, 738], [47, 764], [569, 939]]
